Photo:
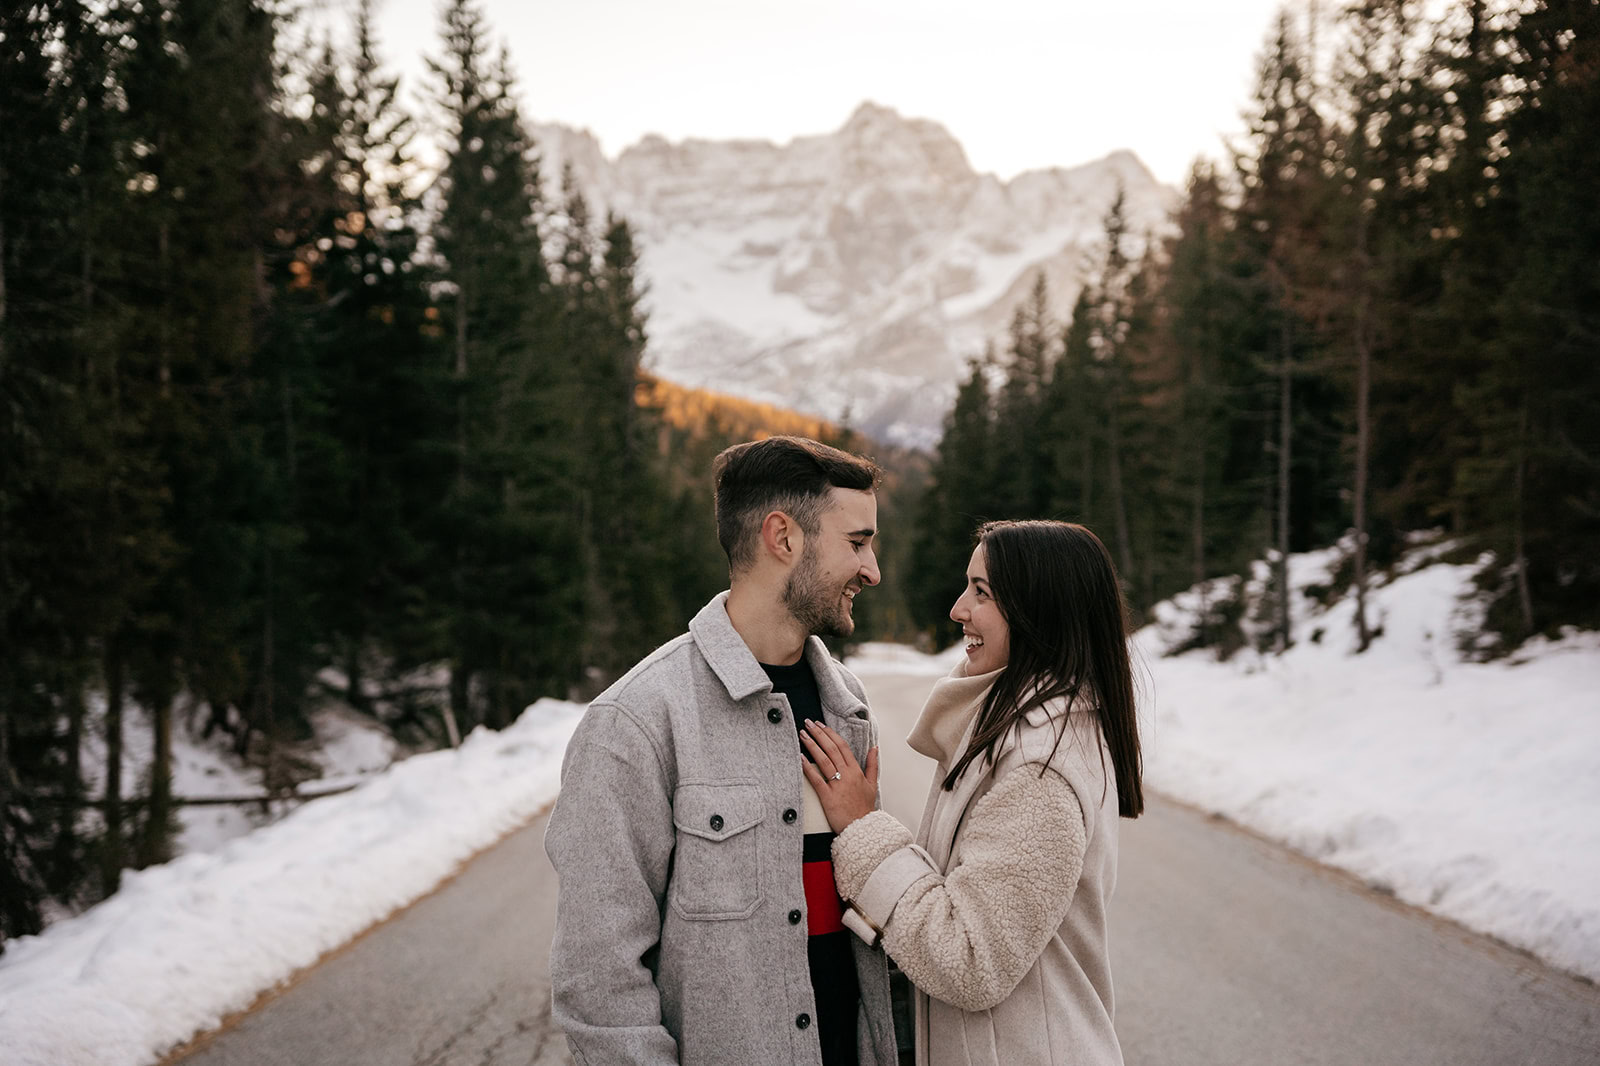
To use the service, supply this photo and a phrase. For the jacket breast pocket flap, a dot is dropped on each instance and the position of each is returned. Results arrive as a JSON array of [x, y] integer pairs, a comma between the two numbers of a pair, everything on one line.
[[716, 872]]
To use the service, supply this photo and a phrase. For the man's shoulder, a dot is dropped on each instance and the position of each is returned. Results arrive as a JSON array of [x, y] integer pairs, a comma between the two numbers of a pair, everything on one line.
[[643, 687]]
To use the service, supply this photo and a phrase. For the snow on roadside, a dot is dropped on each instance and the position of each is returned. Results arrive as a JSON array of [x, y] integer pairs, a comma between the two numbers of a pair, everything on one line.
[[348, 749], [184, 944], [879, 658], [1468, 789]]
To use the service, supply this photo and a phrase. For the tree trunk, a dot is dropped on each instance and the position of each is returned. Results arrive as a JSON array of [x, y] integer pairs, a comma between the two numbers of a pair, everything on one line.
[[111, 851], [66, 844], [353, 689], [1363, 448], [599, 614], [1197, 519], [1519, 543], [163, 348], [1119, 504], [2, 275], [460, 680], [460, 693], [1088, 480], [1197, 536], [1285, 439], [157, 845], [266, 699], [461, 391]]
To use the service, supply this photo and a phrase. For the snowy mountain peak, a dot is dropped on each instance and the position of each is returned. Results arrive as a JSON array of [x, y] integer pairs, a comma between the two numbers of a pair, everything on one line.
[[848, 272]]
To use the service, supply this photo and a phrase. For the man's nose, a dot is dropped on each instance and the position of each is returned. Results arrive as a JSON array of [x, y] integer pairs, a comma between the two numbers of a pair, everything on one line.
[[869, 570]]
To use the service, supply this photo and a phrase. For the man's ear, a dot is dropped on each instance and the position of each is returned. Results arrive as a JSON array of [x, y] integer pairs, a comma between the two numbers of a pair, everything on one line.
[[781, 537]]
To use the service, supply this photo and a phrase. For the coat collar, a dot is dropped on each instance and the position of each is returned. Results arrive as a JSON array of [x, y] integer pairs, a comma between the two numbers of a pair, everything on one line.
[[946, 721], [736, 667]]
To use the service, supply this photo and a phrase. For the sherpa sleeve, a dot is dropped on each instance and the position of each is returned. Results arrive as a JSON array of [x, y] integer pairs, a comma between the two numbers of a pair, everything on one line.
[[610, 840], [968, 938]]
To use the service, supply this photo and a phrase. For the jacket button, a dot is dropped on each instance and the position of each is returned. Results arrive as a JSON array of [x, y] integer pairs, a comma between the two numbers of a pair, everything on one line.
[[716, 823], [794, 917], [774, 716], [789, 816], [802, 1021]]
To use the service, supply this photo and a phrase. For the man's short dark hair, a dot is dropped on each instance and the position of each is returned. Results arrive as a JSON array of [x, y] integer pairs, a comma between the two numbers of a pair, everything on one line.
[[789, 474]]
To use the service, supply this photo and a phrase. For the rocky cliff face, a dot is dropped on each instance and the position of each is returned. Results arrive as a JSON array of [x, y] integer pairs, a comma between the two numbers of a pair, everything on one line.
[[848, 275]]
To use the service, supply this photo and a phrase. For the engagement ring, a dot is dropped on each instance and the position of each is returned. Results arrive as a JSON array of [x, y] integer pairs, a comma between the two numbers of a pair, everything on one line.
[[838, 774]]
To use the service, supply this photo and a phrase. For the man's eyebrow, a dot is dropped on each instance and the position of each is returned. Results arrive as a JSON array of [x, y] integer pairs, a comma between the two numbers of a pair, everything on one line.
[[862, 533]]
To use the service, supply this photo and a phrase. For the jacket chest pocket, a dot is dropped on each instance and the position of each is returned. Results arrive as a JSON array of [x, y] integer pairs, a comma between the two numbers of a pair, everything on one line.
[[716, 872]]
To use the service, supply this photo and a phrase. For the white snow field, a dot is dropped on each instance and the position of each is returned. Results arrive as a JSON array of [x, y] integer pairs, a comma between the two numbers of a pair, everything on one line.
[[184, 944], [1469, 789]]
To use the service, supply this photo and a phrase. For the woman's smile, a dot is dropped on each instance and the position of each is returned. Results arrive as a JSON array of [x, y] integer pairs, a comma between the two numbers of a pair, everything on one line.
[[984, 627]]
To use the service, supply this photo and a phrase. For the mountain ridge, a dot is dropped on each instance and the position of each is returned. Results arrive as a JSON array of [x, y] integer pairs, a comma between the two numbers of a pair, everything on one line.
[[849, 274]]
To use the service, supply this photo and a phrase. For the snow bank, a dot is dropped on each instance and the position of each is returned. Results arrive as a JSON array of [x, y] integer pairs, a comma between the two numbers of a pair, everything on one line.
[[875, 658], [184, 944], [1468, 789]]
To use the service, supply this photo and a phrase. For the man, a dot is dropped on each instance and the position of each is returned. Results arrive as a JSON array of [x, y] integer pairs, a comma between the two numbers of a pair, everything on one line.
[[698, 921]]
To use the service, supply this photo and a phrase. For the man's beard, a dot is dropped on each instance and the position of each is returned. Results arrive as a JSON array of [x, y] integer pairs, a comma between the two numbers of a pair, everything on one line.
[[822, 610]]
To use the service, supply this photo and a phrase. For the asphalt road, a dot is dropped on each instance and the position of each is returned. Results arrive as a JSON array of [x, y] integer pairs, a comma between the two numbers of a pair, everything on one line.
[[1226, 950]]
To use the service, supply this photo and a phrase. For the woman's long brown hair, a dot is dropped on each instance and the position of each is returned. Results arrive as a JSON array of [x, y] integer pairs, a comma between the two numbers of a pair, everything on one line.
[[1057, 589]]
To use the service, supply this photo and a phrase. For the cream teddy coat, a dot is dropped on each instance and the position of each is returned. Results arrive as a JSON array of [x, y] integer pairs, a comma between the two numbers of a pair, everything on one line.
[[996, 910]]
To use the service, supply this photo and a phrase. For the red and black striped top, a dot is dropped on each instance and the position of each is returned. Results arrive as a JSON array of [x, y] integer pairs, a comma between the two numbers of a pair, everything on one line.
[[833, 970]]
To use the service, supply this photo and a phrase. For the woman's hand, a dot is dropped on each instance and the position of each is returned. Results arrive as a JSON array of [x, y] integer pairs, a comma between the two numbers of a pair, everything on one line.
[[845, 791]]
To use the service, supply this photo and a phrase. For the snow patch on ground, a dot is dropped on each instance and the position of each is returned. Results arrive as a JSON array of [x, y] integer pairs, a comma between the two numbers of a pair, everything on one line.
[[874, 659], [347, 748], [184, 944], [1468, 789]]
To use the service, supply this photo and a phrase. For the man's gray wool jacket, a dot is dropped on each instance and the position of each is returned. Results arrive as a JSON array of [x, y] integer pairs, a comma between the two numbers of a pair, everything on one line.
[[677, 841]]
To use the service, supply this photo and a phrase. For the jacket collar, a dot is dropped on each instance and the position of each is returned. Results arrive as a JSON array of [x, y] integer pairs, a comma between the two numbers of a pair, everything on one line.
[[736, 667], [943, 728]]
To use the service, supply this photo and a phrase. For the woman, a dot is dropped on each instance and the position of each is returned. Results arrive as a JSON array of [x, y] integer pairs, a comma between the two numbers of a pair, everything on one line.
[[996, 910]]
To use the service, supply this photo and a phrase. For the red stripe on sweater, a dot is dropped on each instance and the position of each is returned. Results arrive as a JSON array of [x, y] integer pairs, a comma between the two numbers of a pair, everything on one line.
[[824, 909]]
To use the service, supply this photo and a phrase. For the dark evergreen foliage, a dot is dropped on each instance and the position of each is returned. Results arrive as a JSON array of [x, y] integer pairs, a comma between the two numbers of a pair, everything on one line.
[[270, 423], [1382, 319], [276, 417]]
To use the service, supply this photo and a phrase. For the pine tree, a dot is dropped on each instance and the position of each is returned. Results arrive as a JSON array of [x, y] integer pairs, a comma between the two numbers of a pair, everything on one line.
[[1019, 452], [631, 498], [1281, 221], [1532, 487], [515, 616], [1195, 293], [959, 497], [1073, 425], [1382, 259], [355, 285], [34, 399], [1110, 365], [199, 83]]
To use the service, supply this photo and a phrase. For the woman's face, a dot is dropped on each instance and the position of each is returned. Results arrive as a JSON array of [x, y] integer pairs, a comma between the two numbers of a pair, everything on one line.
[[988, 637]]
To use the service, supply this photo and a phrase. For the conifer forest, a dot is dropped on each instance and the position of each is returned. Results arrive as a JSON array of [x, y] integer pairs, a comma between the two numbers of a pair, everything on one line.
[[279, 403]]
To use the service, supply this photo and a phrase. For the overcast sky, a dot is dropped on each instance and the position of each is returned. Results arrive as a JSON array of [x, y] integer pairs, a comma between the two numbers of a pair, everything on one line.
[[1020, 83]]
